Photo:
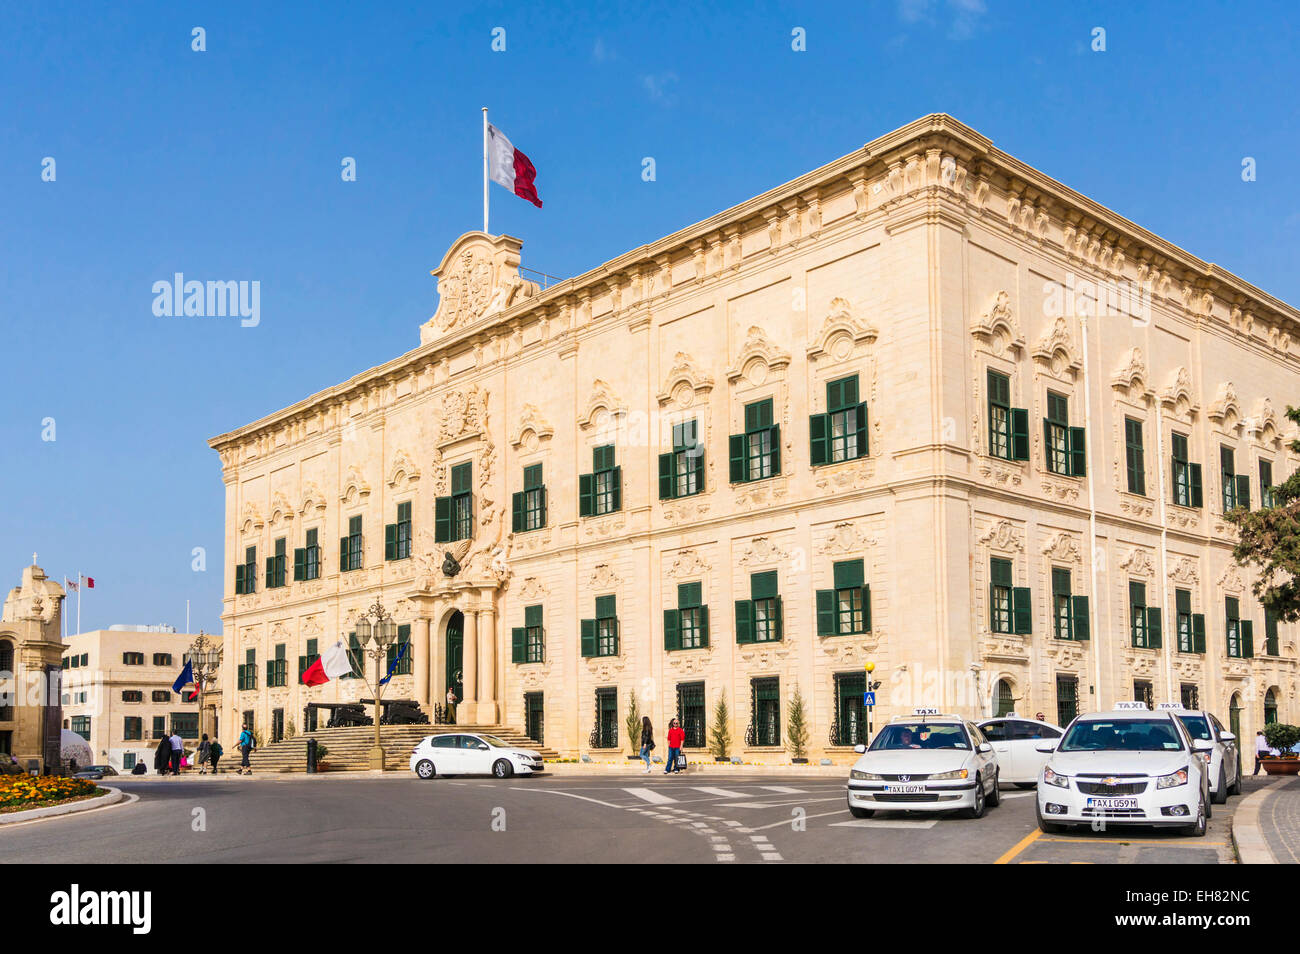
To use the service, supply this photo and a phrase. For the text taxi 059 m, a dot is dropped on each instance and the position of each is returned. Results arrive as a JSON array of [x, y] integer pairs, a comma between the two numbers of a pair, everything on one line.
[[926, 762]]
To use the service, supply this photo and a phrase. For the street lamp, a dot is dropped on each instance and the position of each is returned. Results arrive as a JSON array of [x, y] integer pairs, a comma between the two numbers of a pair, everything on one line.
[[376, 630], [872, 686], [204, 655]]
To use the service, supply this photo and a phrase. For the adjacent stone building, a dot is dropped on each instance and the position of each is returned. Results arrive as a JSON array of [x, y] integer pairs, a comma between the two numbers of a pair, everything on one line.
[[923, 407], [29, 671]]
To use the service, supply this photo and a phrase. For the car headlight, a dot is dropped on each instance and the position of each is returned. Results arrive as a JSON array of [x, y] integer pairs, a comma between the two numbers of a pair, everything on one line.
[[1055, 778], [956, 773], [1171, 781], [521, 755], [864, 776]]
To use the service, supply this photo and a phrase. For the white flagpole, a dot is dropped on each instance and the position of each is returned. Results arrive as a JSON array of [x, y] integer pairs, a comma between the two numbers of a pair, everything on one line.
[[485, 171], [63, 610], [79, 580]]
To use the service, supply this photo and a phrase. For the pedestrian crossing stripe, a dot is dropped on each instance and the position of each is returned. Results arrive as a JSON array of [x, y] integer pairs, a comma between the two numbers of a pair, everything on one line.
[[651, 796]]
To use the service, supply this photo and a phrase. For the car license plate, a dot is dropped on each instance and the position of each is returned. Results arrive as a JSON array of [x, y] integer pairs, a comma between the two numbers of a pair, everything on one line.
[[1112, 803], [905, 789]]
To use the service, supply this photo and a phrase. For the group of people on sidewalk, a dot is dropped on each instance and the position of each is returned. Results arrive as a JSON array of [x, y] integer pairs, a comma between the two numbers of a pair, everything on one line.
[[170, 754], [676, 737]]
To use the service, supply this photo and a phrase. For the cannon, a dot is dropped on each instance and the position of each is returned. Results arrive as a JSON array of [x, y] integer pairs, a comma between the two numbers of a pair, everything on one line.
[[399, 712]]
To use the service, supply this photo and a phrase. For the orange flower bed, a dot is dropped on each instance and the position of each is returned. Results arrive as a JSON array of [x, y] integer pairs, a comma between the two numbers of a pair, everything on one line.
[[33, 791]]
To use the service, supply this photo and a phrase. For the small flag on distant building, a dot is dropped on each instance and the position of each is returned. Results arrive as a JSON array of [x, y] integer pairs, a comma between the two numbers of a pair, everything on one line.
[[185, 678], [69, 584], [90, 582], [509, 167], [397, 661], [332, 663]]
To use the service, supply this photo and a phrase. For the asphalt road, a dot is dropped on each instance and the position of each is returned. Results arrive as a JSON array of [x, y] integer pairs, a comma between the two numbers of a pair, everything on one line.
[[634, 818]]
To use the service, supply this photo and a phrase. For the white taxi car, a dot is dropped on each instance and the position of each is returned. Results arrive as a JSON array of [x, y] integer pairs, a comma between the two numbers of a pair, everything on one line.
[[1131, 766], [1225, 766], [478, 754], [925, 762], [1015, 741]]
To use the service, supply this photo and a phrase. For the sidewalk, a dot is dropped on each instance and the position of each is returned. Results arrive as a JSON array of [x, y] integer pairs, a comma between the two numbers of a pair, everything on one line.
[[1266, 826]]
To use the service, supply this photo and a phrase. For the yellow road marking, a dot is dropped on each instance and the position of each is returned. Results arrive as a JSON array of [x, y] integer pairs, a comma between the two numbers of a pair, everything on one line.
[[1019, 846]]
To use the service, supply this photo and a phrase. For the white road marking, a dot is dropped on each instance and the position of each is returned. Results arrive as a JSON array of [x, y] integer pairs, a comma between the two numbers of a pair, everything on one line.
[[788, 821], [651, 796], [720, 792], [780, 804], [1018, 794], [772, 856], [884, 823], [783, 790]]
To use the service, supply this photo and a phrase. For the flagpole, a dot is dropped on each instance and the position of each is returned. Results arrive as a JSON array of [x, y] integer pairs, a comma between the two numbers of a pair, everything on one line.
[[485, 171], [78, 601]]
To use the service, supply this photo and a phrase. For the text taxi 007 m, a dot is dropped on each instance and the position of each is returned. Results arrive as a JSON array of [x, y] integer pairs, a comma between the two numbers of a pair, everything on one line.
[[925, 762], [1130, 766]]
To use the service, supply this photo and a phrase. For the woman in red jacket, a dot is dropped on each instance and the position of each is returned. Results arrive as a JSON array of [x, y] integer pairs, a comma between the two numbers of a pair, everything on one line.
[[676, 736]]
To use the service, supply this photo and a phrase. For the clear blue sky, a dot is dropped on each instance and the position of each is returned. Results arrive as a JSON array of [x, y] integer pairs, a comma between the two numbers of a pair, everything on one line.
[[225, 165]]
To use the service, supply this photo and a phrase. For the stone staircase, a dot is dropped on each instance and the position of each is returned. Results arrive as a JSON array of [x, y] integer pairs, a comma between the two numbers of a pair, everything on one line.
[[349, 748]]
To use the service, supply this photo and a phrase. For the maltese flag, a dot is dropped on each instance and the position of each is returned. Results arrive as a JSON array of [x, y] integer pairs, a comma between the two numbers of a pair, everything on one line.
[[332, 663], [509, 167]]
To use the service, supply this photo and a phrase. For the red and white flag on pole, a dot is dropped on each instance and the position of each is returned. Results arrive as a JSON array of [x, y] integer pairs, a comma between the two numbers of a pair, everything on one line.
[[90, 582], [509, 167], [332, 663]]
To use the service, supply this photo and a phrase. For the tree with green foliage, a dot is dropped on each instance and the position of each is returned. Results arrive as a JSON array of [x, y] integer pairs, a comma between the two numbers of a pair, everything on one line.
[[796, 729], [633, 724], [1281, 736], [1269, 538], [720, 734]]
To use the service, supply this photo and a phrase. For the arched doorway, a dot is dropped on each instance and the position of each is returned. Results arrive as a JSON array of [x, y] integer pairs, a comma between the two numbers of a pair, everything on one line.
[[1270, 707], [1004, 701], [455, 655], [1234, 725]]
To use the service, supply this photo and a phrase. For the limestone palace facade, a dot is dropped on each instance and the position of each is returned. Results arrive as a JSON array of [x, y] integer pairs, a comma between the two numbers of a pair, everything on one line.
[[923, 407]]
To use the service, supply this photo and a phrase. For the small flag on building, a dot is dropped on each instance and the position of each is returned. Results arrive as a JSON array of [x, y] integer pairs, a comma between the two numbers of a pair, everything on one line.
[[397, 661], [511, 168], [185, 678], [334, 662]]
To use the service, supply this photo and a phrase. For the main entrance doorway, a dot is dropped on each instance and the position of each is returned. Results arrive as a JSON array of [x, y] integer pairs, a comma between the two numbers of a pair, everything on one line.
[[455, 653]]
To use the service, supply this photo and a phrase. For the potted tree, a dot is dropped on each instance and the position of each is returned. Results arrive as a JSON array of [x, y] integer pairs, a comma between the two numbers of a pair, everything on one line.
[[321, 752], [796, 730], [720, 736], [1281, 736], [633, 725]]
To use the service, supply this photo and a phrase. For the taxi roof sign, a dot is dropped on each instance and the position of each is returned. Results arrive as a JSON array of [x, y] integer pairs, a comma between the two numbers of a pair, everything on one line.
[[926, 710], [1131, 705], [1170, 705]]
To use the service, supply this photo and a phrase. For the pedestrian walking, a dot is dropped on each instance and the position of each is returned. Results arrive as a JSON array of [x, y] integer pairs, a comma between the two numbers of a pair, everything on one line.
[[1261, 749], [647, 742], [676, 736], [215, 753], [246, 745], [162, 756], [178, 750], [205, 751], [451, 705]]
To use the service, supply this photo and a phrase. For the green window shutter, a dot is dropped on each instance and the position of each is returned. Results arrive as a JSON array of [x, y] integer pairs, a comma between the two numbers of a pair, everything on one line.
[[848, 574], [763, 586], [826, 617], [776, 449], [618, 488], [1078, 455], [672, 629], [588, 637], [533, 477], [442, 519], [704, 626], [1198, 499], [300, 563], [736, 454], [1182, 601], [586, 497], [863, 442], [239, 578], [697, 465], [1198, 632], [780, 618], [689, 594], [533, 615], [666, 482], [390, 541], [541, 493], [1243, 490], [1047, 444], [818, 426], [1021, 610], [1019, 433], [1000, 571], [1270, 633], [1079, 616], [517, 512], [866, 607], [518, 636], [1154, 634], [606, 607], [270, 572], [744, 621], [1247, 638]]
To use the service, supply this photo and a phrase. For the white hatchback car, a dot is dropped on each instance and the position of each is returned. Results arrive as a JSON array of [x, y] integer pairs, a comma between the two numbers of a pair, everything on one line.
[[479, 754], [1015, 742], [1225, 766], [927, 762], [1127, 767]]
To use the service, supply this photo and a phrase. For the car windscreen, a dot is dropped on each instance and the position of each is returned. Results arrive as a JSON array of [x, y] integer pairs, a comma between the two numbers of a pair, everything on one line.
[[1197, 727], [920, 735], [493, 741], [1121, 735]]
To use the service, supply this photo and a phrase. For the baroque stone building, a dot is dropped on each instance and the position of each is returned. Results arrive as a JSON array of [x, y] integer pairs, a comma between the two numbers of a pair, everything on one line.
[[30, 648], [923, 407]]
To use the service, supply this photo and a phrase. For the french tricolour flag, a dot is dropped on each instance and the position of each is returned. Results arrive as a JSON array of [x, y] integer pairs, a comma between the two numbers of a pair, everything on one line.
[[509, 167]]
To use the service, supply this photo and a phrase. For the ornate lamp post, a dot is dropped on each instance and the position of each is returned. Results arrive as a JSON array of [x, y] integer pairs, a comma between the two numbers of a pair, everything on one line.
[[376, 630], [205, 655]]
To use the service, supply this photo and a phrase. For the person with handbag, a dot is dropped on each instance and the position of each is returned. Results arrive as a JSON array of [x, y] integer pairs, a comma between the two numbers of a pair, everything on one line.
[[647, 742], [676, 736]]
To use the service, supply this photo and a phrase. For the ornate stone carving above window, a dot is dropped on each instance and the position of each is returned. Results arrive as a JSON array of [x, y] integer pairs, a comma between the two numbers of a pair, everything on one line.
[[532, 430], [1062, 548], [1138, 563], [281, 510], [1130, 379], [354, 485], [462, 414], [402, 472], [1056, 351], [313, 501], [997, 330], [1262, 426], [1225, 409], [1177, 397], [1003, 536], [478, 277], [685, 384], [252, 518], [759, 360], [841, 334], [688, 565], [603, 407], [846, 539]]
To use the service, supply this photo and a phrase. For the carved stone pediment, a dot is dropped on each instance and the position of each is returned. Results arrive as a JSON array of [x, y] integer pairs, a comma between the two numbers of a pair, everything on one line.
[[1130, 378], [252, 518], [402, 471], [313, 501], [841, 333], [462, 414], [997, 329], [1225, 409], [1062, 548], [1056, 350], [1138, 563], [1177, 395], [685, 383], [533, 428], [477, 278], [845, 540], [603, 406], [688, 565], [354, 484], [1004, 536], [762, 552], [759, 357]]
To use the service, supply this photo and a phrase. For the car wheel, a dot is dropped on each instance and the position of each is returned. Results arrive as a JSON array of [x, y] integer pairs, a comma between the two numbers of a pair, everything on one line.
[[995, 796], [1197, 828], [1220, 796], [424, 769], [1026, 784], [857, 812], [502, 769], [1235, 787], [1046, 827], [977, 810]]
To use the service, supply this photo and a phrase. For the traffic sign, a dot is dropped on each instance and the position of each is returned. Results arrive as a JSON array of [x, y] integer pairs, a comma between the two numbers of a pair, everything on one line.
[[868, 698]]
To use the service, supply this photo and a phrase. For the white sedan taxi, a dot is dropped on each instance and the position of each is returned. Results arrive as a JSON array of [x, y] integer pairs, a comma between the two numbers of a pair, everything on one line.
[[1015, 744], [479, 754], [925, 762], [1224, 765], [1131, 766]]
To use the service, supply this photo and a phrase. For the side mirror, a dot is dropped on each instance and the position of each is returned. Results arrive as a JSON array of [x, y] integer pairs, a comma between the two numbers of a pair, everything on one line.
[[985, 747], [1202, 745], [1047, 746], [860, 748], [1227, 737]]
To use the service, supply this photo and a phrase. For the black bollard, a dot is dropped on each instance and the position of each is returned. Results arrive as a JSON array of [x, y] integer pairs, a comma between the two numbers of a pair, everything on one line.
[[311, 756]]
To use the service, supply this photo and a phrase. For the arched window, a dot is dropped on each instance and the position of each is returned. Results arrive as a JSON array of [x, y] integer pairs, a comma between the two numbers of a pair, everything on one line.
[[1270, 707], [6, 656], [1003, 701]]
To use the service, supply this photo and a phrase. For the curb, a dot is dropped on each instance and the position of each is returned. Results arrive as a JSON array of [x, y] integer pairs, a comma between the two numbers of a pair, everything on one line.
[[32, 814], [1247, 837]]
